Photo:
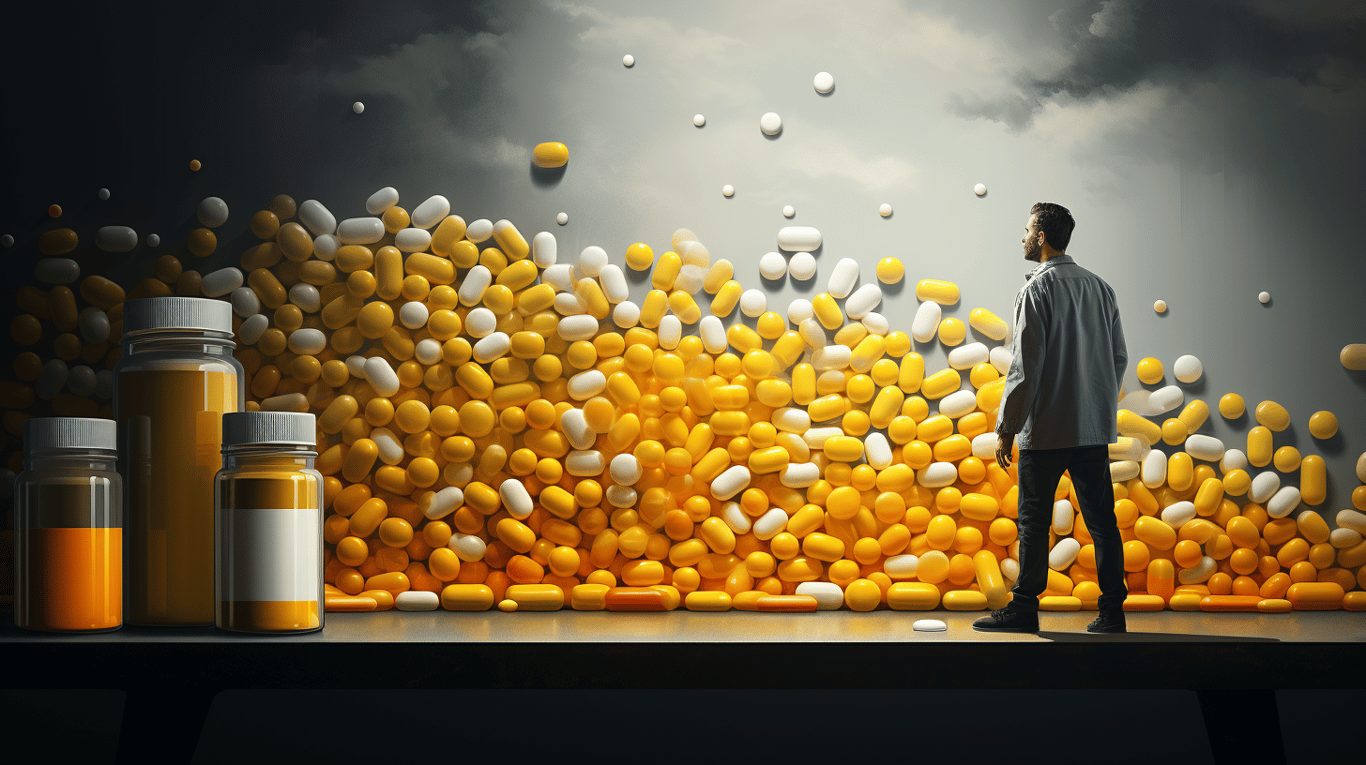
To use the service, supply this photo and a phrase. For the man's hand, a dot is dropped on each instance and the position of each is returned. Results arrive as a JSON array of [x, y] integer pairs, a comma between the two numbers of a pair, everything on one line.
[[1004, 443]]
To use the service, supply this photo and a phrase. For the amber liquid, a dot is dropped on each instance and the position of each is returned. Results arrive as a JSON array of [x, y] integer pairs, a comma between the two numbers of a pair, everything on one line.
[[69, 580], [170, 422]]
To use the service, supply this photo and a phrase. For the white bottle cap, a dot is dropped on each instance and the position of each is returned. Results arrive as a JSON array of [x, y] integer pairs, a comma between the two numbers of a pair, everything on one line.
[[70, 433], [177, 313], [284, 428]]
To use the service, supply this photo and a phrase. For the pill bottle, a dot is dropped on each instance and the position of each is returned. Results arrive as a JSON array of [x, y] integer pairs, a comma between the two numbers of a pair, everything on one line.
[[175, 381], [268, 505], [68, 536]]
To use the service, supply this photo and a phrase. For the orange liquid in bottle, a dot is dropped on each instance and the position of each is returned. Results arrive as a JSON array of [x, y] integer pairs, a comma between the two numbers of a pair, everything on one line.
[[69, 579]]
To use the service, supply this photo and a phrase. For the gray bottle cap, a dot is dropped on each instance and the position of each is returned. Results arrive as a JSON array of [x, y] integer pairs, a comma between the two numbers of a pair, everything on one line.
[[284, 428], [177, 313], [70, 433]]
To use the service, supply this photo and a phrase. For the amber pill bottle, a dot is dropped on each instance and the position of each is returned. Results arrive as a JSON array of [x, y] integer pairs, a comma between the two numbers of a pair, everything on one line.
[[269, 526], [68, 546], [175, 381]]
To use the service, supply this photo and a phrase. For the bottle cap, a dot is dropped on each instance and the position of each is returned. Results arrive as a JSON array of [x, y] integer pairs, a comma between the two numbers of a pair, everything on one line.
[[70, 433], [177, 313], [286, 428]]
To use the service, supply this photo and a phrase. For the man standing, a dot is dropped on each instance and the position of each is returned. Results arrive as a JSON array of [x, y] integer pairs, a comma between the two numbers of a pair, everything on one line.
[[1060, 403]]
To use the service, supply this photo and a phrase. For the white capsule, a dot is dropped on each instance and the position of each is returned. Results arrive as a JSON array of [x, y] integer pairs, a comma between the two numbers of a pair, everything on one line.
[[876, 323], [468, 547], [1166, 399], [798, 238], [317, 218], [413, 315], [360, 230], [969, 356], [771, 123], [613, 281], [591, 260], [570, 304], [476, 282], [1177, 514], [94, 325], [221, 282], [926, 322], [1138, 402], [1124, 470], [863, 301], [843, 278], [670, 332], [116, 239], [1010, 569], [824, 82], [1352, 519], [800, 310], [479, 230], [439, 504], [1285, 500], [731, 482], [1233, 459], [252, 329], [828, 595], [585, 463], [791, 419], [390, 450], [1199, 572], [57, 270], [381, 376], [937, 475], [1063, 554], [355, 366], [1154, 469], [432, 211], [957, 404], [901, 566], [1344, 538], [831, 357], [690, 279], [772, 266], [325, 247], [51, 380], [561, 276], [417, 600], [802, 266], [381, 200], [212, 212], [1264, 485], [620, 496], [798, 475], [492, 347], [735, 517], [1205, 448], [877, 451], [579, 327], [626, 469], [427, 351], [516, 499], [245, 302], [543, 247], [983, 445], [480, 322], [815, 438], [586, 384], [713, 335], [81, 380], [412, 240], [770, 524], [1188, 369], [306, 297], [1001, 358], [626, 314]]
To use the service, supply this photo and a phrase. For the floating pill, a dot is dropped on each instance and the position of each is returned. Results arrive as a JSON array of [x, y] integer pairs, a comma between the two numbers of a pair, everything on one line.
[[562, 218], [789, 211], [57, 271], [116, 239], [357, 107], [212, 212], [699, 120], [317, 218], [1264, 297], [1353, 357], [823, 82], [1188, 369], [550, 154], [771, 123], [772, 266], [980, 189], [799, 238]]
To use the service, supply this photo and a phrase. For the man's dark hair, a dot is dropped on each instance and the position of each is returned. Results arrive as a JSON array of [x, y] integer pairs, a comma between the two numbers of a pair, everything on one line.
[[1056, 223]]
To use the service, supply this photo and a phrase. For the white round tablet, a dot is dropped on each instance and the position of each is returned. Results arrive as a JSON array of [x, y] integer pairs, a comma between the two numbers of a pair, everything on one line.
[[104, 193], [802, 266], [979, 189], [213, 212], [699, 120], [1188, 369], [771, 123], [753, 303], [824, 82], [1265, 297], [884, 210], [358, 107], [628, 60], [728, 190], [772, 266], [789, 211], [562, 218], [153, 240]]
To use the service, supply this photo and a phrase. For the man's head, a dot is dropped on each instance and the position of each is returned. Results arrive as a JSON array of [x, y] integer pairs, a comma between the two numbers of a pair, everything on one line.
[[1048, 231]]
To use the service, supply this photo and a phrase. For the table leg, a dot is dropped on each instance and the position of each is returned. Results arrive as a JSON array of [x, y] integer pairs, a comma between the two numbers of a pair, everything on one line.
[[1227, 715], [163, 721]]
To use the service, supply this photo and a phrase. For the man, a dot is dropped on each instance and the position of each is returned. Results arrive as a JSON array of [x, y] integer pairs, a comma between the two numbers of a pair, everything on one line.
[[1059, 405]]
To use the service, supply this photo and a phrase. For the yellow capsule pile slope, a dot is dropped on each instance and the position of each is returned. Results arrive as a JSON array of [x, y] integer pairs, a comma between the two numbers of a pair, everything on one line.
[[505, 428]]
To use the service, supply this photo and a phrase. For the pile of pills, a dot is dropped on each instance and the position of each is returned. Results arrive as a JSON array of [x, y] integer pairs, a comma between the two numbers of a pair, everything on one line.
[[502, 426]]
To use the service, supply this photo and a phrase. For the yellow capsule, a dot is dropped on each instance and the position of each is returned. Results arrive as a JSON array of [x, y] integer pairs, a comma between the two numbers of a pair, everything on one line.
[[511, 242], [982, 374], [743, 339], [826, 408], [1313, 480], [787, 349], [774, 393], [685, 307], [550, 154], [768, 460], [952, 331], [1194, 415], [860, 389], [827, 311], [1174, 431], [726, 299], [843, 448], [653, 308], [850, 334], [886, 406], [1180, 471], [803, 384], [1286, 459], [890, 270], [941, 384], [434, 269], [952, 448], [941, 292], [932, 429], [912, 373], [867, 352], [988, 323], [666, 271], [1272, 415], [1137, 426], [1323, 424], [720, 272], [1259, 450]]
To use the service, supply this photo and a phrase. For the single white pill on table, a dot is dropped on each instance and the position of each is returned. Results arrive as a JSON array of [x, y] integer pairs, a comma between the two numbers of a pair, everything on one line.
[[479, 230], [843, 278], [57, 270], [432, 211], [699, 120], [221, 282], [753, 303], [969, 356], [885, 210], [1264, 297], [1188, 369], [427, 351], [417, 600], [543, 249], [772, 266], [325, 247], [799, 238], [381, 200], [802, 266], [116, 239], [306, 297], [626, 314], [562, 218], [357, 107], [212, 212], [413, 240], [728, 190], [800, 310], [252, 329], [381, 376], [670, 332], [591, 260], [926, 322], [413, 315], [789, 211], [317, 218], [245, 302], [823, 82], [863, 301], [929, 625], [979, 189], [828, 595], [307, 341], [771, 123], [713, 334], [628, 60], [81, 380]]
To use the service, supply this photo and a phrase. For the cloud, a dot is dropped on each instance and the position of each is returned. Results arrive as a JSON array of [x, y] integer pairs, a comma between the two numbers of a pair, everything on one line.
[[824, 155]]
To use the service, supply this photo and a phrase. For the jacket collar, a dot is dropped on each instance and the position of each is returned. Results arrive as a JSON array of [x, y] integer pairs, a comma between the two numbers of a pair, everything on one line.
[[1048, 264]]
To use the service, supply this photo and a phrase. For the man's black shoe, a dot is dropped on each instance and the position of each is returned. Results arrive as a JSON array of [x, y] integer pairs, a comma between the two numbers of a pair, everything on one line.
[[1108, 621], [1008, 620]]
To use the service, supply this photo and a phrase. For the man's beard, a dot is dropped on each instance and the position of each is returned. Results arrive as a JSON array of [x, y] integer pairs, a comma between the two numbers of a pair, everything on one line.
[[1033, 252]]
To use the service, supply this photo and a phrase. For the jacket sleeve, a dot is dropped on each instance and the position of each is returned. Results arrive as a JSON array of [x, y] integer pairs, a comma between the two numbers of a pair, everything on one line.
[[1022, 380], [1121, 351]]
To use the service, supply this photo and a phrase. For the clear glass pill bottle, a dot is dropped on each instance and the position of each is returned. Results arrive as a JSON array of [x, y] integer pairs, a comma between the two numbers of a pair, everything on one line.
[[68, 535], [176, 379], [268, 505]]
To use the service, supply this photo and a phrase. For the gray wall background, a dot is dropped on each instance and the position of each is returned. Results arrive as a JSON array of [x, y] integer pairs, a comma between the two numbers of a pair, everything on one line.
[[1208, 151]]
